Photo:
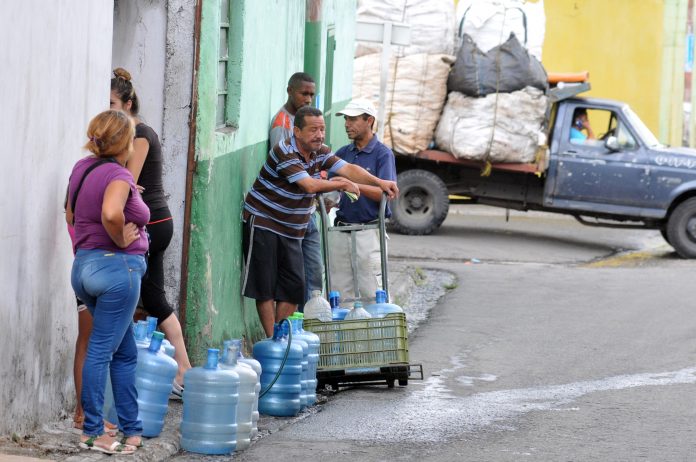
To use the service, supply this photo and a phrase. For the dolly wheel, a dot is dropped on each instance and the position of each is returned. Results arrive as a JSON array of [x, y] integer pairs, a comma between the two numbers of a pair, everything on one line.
[[390, 383], [403, 382]]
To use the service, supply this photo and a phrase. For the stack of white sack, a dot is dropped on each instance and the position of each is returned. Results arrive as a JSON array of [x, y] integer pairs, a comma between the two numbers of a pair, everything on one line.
[[415, 96], [481, 129], [490, 22], [432, 24]]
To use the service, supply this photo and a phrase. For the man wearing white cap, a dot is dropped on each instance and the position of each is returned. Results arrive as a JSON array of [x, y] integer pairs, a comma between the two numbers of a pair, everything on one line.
[[372, 155]]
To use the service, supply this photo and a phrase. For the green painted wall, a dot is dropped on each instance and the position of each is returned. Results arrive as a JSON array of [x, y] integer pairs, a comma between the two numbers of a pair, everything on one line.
[[266, 45], [338, 15]]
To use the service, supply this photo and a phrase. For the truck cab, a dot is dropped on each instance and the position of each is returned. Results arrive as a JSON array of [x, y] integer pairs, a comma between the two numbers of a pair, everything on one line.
[[620, 177]]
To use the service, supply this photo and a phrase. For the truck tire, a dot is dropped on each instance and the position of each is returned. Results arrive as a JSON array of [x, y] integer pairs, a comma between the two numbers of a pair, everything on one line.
[[681, 228], [422, 204]]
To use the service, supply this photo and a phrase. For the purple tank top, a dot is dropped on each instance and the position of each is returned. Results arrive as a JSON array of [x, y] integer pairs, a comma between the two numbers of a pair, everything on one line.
[[89, 231]]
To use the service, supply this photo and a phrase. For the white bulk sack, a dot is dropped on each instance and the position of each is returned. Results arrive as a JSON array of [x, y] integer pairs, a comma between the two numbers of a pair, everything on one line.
[[490, 22], [432, 24], [472, 128], [416, 93]]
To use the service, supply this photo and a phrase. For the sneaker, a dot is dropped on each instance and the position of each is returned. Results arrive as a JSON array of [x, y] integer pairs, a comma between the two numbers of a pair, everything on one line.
[[177, 391]]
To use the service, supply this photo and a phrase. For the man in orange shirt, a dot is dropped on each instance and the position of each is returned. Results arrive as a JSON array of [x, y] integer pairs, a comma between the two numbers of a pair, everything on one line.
[[301, 90]]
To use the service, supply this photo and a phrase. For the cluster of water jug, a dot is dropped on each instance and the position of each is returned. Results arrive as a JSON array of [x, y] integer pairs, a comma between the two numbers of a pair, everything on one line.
[[221, 402], [318, 308], [154, 375], [223, 399]]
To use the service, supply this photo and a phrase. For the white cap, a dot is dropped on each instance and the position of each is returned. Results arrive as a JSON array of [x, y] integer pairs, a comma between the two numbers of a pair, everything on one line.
[[358, 107]]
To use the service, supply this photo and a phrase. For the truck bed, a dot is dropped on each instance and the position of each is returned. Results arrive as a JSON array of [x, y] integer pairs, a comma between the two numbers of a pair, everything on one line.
[[447, 158]]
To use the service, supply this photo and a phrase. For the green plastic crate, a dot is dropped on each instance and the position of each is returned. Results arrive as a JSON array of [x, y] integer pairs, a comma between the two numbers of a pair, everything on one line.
[[361, 343]]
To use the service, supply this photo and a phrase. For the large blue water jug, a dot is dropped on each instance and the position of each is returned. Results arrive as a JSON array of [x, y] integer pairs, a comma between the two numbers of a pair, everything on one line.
[[247, 392], [283, 397], [304, 378], [338, 313], [209, 423], [313, 342], [254, 364], [153, 380], [381, 307]]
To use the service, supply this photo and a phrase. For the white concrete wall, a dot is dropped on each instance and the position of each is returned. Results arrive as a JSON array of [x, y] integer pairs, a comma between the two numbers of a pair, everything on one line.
[[153, 40], [140, 30], [56, 60]]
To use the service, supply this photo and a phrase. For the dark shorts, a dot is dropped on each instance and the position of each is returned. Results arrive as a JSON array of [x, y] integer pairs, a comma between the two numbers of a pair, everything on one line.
[[276, 268]]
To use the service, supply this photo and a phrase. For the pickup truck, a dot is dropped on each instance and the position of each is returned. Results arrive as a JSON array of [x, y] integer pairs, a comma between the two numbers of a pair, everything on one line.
[[623, 178]]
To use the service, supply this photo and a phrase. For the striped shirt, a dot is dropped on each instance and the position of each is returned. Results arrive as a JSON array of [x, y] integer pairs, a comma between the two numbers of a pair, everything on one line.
[[276, 200]]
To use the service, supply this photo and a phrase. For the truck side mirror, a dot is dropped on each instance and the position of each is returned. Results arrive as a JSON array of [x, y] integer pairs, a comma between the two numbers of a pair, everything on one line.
[[612, 144]]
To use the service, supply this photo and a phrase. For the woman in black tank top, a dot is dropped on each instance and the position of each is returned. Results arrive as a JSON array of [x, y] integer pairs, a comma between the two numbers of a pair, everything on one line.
[[146, 166]]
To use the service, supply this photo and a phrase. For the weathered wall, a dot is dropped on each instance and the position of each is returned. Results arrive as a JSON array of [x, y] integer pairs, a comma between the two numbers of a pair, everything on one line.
[[619, 43], [153, 40], [228, 160], [55, 78], [140, 32]]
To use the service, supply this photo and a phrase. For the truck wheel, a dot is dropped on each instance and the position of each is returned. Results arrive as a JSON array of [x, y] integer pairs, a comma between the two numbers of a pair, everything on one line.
[[681, 228], [422, 204]]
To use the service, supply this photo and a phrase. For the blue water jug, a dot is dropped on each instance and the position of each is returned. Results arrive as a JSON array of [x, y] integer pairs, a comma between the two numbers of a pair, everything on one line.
[[209, 422], [304, 378], [153, 380], [313, 342], [168, 348], [247, 392], [254, 364], [151, 325], [142, 339], [338, 313], [381, 307], [283, 397]]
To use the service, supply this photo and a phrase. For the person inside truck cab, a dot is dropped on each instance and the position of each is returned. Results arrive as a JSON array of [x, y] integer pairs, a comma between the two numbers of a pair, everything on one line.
[[581, 123]]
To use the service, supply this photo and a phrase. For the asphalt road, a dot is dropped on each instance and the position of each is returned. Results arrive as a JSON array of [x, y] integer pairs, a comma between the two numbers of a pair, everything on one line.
[[560, 342]]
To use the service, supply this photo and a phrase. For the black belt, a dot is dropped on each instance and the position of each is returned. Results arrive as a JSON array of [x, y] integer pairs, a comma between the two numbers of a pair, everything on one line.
[[338, 222]]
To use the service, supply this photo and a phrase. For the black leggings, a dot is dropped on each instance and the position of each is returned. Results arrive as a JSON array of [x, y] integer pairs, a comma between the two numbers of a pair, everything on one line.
[[160, 229]]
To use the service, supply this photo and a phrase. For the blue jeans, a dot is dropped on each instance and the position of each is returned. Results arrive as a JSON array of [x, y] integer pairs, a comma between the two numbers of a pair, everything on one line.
[[311, 254], [109, 284]]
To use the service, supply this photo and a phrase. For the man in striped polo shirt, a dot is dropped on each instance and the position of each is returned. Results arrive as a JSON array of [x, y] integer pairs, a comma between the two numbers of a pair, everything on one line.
[[277, 210]]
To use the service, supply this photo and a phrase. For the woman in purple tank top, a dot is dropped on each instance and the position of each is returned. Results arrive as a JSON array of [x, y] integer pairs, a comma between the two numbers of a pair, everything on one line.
[[109, 218]]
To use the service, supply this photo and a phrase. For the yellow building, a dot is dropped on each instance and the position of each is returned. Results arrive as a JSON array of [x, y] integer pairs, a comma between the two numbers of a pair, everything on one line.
[[633, 49]]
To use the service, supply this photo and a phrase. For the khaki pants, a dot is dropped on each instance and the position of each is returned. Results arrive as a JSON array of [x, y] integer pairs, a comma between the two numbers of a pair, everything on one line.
[[367, 265]]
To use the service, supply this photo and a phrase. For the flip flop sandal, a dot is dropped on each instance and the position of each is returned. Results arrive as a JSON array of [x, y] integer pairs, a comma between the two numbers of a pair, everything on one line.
[[125, 442], [177, 391], [114, 448]]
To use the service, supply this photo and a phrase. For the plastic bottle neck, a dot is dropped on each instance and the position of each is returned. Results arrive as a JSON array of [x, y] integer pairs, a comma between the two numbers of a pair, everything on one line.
[[156, 342], [212, 359], [381, 296]]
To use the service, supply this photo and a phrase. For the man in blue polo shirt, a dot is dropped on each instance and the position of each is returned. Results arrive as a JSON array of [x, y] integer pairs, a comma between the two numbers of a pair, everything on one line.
[[369, 153]]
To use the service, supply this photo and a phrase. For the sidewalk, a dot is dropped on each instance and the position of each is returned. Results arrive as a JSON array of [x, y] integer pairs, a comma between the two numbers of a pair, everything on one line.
[[58, 441]]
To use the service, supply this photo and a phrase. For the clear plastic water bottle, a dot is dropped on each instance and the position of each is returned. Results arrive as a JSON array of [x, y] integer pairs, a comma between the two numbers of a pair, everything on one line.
[[209, 422], [381, 307], [338, 313], [358, 312], [153, 381], [318, 308], [247, 392], [254, 364]]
